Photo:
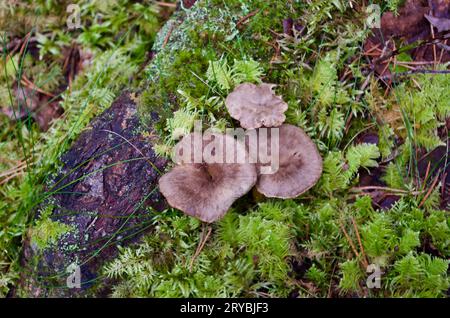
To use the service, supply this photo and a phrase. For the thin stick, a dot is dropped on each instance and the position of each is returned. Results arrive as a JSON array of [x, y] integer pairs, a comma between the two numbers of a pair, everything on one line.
[[373, 48], [414, 63], [166, 4], [395, 75], [166, 39], [349, 239], [417, 84], [245, 18], [13, 170], [434, 47], [387, 189], [444, 47], [366, 263], [27, 83], [331, 281], [200, 247], [24, 43], [409, 67], [426, 174], [7, 179], [429, 191]]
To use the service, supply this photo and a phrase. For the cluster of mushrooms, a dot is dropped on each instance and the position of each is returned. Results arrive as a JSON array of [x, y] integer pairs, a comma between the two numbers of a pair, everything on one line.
[[207, 190]]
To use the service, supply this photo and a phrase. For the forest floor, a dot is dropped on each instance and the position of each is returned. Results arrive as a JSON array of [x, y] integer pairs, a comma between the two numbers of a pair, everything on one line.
[[374, 98]]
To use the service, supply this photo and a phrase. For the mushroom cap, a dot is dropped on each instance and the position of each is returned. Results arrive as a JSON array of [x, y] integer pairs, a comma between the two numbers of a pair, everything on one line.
[[256, 106], [207, 190], [300, 165]]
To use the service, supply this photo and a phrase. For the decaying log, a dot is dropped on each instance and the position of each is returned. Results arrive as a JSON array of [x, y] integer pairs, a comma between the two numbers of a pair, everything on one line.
[[106, 192]]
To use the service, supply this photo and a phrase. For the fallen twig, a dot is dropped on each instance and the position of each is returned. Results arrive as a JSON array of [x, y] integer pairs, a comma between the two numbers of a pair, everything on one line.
[[412, 72], [246, 17], [429, 190], [366, 263], [426, 174], [200, 247], [386, 189], [352, 245], [166, 39], [27, 83], [404, 49], [166, 4], [14, 172]]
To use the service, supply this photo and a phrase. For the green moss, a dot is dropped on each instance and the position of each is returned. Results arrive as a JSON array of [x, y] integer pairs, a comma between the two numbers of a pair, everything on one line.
[[45, 233], [160, 96], [438, 227], [257, 244], [420, 276], [250, 252], [351, 276], [203, 36], [247, 248]]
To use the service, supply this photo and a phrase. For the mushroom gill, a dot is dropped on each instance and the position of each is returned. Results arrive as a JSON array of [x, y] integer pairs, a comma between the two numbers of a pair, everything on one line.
[[256, 106], [206, 190], [300, 165]]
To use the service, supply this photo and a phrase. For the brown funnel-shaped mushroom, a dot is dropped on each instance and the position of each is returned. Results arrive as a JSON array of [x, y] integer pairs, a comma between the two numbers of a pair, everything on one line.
[[256, 106], [300, 165], [206, 189]]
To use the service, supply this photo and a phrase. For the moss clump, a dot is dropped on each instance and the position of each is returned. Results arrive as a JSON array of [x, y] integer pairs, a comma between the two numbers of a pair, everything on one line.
[[247, 256], [46, 232], [198, 37], [251, 253], [158, 101]]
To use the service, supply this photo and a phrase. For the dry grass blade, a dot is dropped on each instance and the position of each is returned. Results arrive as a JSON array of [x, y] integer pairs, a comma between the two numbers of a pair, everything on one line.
[[200, 247], [352, 245], [429, 190], [355, 226]]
